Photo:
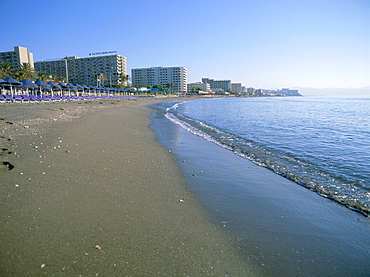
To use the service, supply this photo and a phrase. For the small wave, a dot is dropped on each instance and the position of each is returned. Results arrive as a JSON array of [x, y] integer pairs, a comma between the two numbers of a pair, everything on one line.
[[174, 107], [194, 130]]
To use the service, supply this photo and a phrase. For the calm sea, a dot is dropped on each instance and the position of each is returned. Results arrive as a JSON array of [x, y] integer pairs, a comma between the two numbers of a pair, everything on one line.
[[279, 223], [320, 143]]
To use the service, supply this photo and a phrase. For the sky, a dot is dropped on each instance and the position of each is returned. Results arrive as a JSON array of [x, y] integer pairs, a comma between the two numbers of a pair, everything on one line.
[[268, 44]]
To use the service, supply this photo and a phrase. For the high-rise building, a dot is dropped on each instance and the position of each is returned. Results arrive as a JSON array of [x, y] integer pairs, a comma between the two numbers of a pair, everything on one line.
[[173, 78], [17, 57], [96, 71], [251, 90], [236, 88], [216, 85], [56, 68]]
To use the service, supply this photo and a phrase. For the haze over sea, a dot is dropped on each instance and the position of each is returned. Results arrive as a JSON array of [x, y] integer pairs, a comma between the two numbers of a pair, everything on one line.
[[312, 216]]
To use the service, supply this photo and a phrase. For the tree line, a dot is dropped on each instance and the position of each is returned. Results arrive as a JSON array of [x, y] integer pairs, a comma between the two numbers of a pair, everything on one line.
[[26, 71]]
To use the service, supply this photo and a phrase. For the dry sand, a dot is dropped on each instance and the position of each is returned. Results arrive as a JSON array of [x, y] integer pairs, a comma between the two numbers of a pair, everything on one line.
[[92, 193]]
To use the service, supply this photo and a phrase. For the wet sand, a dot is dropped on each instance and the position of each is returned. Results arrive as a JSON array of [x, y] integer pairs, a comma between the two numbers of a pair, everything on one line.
[[92, 193]]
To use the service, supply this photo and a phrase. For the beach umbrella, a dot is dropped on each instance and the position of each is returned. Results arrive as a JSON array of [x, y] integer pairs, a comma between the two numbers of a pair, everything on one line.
[[42, 84], [92, 88], [97, 90], [62, 85], [12, 82], [79, 88], [72, 86], [65, 87], [53, 87], [100, 89], [114, 91], [28, 84], [105, 90], [86, 89]]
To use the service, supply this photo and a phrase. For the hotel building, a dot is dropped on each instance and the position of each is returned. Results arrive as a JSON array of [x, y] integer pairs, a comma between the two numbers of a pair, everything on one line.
[[199, 85], [216, 85], [95, 71], [236, 88], [174, 78], [17, 57]]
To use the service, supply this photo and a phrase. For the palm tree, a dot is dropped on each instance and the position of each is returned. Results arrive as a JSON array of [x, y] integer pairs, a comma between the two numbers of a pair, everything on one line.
[[124, 79], [159, 87], [6, 70], [170, 86], [25, 71], [44, 76], [57, 78]]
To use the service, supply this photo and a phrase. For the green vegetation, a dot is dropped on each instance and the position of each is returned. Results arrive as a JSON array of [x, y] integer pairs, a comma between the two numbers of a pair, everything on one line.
[[170, 86], [44, 76], [159, 87], [123, 79], [6, 70], [25, 71]]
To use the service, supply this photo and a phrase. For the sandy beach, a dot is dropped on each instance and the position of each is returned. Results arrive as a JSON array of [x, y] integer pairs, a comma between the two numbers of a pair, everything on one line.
[[86, 190]]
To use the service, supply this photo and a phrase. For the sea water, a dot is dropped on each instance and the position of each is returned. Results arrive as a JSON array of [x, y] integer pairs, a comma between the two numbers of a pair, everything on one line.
[[286, 177], [320, 143]]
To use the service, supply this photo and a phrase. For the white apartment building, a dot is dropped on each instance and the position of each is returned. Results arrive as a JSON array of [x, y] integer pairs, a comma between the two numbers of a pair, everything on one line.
[[173, 78], [236, 88], [95, 71], [17, 57], [202, 86], [251, 91], [218, 85]]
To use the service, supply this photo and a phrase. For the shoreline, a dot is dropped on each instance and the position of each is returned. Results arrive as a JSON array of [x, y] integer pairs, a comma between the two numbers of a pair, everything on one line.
[[282, 228], [93, 192]]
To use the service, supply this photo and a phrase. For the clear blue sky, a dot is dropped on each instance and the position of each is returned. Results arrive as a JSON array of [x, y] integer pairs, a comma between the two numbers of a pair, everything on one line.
[[260, 43]]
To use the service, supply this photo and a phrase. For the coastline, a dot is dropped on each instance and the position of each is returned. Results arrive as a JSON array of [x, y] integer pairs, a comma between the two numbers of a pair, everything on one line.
[[282, 228], [93, 193]]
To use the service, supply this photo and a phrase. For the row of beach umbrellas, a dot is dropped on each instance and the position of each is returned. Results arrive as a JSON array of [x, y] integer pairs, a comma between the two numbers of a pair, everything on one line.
[[51, 86]]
